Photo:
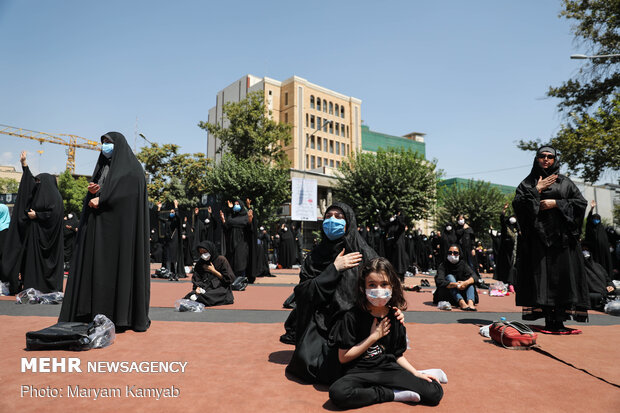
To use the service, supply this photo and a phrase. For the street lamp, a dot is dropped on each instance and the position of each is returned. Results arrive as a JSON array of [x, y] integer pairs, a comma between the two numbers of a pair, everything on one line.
[[144, 137], [601, 56]]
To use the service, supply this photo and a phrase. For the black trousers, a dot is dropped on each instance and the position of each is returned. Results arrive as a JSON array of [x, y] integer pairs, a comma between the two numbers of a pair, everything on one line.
[[360, 388]]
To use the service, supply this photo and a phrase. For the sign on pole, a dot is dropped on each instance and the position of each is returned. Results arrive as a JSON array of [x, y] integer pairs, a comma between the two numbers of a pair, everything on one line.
[[304, 200]]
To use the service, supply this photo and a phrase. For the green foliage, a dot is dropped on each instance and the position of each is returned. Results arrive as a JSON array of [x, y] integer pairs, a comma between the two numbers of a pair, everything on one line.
[[480, 202], [73, 191], [588, 145], [389, 181], [174, 175], [265, 185], [8, 186], [250, 133], [597, 28]]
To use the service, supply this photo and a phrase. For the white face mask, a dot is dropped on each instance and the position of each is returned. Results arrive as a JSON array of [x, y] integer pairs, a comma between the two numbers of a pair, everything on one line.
[[461, 222], [378, 297], [262, 228], [70, 216], [184, 225], [205, 257], [512, 220], [449, 228], [453, 259], [586, 254], [392, 219], [207, 221]]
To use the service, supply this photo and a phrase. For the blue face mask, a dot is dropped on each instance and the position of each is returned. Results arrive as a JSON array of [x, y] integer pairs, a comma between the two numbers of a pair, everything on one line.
[[237, 208], [107, 149], [596, 221], [172, 215], [334, 227]]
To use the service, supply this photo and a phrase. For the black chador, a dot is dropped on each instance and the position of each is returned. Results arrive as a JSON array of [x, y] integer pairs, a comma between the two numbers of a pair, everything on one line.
[[596, 237], [110, 267], [507, 254], [70, 227], [550, 280], [235, 226], [395, 247], [212, 277], [287, 250], [34, 247]]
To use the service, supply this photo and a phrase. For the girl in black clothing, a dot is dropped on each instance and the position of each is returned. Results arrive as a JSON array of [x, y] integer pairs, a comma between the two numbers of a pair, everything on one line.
[[375, 369], [212, 277]]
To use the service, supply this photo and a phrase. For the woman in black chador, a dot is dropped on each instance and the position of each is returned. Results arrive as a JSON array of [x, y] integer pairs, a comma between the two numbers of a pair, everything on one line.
[[212, 277], [34, 244], [110, 267], [236, 223], [551, 281], [287, 248], [596, 237], [326, 290], [506, 256]]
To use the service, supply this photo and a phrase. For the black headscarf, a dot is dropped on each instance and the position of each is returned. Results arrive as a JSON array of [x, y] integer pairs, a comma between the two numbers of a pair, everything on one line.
[[210, 247], [537, 171]]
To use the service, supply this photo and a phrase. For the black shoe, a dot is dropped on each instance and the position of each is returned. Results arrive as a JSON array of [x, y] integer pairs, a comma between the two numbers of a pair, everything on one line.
[[287, 338]]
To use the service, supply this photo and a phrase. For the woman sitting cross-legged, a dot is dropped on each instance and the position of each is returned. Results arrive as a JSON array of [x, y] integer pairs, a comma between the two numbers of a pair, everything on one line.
[[212, 277], [455, 281]]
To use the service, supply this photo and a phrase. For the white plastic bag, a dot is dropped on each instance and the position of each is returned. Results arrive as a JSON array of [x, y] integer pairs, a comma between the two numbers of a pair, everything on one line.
[[183, 305], [444, 305]]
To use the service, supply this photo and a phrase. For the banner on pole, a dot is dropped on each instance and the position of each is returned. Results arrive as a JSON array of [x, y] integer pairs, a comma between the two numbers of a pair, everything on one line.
[[304, 199]]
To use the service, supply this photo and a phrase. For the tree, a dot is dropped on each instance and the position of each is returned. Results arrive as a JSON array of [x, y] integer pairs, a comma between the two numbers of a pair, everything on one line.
[[389, 181], [597, 28], [174, 175], [73, 190], [8, 186], [589, 142], [267, 186], [480, 202], [249, 132]]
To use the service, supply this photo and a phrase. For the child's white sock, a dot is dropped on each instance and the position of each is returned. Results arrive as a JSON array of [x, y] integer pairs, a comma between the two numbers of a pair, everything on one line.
[[406, 396], [437, 373]]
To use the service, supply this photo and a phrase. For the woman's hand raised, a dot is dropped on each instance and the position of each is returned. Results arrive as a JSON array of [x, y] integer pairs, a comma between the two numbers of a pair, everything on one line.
[[350, 260]]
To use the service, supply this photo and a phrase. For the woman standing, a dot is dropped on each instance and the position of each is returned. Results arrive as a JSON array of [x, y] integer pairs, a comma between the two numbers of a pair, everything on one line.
[[110, 267], [505, 271], [34, 246], [550, 279]]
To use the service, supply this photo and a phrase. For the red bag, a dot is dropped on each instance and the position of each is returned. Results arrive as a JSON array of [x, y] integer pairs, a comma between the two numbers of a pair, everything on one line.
[[512, 334]]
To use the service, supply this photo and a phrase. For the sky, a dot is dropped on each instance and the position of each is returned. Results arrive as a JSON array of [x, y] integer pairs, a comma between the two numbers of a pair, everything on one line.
[[471, 75]]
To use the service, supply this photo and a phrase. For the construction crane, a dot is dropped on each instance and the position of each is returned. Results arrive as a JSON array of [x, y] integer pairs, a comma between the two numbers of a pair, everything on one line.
[[72, 141]]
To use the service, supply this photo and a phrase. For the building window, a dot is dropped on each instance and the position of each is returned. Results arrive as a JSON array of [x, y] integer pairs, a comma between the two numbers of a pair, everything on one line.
[[337, 164], [325, 126], [286, 118], [342, 129], [342, 148], [312, 142], [325, 145], [331, 146], [347, 131], [306, 120], [318, 160], [337, 129], [312, 121], [337, 148], [270, 92], [342, 111], [318, 143], [331, 163], [318, 122], [337, 109], [325, 161], [331, 108], [307, 162], [331, 127], [324, 106], [318, 103], [311, 101], [286, 99], [347, 149], [312, 162]]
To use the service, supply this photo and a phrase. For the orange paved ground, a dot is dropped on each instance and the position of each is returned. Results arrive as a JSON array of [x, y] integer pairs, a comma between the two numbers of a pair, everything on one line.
[[239, 367]]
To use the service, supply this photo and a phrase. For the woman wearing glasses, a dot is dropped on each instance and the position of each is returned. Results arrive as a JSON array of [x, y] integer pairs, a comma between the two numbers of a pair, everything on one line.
[[456, 281], [550, 280]]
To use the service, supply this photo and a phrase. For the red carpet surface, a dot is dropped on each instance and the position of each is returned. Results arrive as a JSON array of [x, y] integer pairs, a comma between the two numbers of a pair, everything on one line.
[[240, 368]]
